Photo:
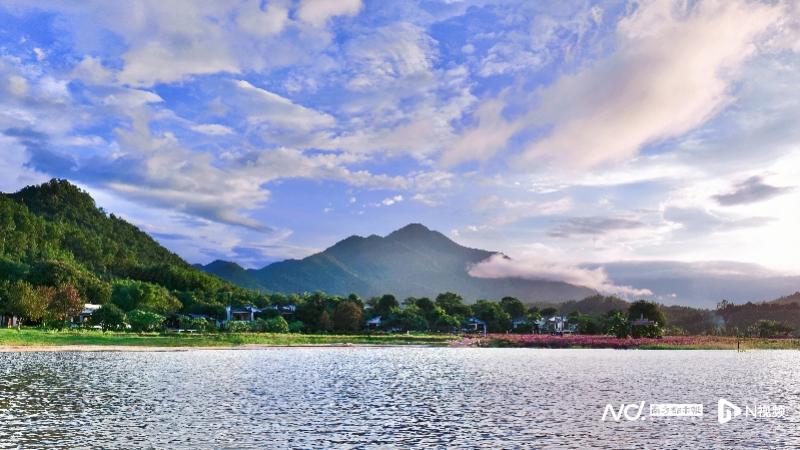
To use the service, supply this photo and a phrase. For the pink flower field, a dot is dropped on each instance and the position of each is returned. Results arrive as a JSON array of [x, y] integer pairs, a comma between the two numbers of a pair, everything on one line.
[[595, 341]]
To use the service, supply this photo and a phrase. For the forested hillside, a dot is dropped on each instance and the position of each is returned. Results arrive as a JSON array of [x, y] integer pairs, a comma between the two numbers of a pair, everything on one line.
[[53, 236]]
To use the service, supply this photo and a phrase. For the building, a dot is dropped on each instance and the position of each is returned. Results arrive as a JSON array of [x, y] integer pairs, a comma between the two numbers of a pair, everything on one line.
[[241, 313], [555, 325], [643, 322], [475, 325], [374, 323], [86, 314], [248, 313]]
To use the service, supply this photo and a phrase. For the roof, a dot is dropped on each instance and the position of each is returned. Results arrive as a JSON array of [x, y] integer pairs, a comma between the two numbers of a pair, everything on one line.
[[89, 308]]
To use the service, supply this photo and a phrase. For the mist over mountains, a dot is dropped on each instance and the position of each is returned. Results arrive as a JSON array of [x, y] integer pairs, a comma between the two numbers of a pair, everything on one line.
[[412, 261], [417, 261]]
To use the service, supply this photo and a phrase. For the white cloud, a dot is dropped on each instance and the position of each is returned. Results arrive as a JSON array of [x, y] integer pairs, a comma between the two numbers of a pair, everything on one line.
[[267, 22], [500, 266], [270, 109], [392, 200], [672, 71], [318, 12], [483, 141], [212, 129], [394, 52], [91, 70]]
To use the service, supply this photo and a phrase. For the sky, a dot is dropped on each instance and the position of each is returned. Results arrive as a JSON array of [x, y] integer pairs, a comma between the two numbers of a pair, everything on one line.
[[556, 132]]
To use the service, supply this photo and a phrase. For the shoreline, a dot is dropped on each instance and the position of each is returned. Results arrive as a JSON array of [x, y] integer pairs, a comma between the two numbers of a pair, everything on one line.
[[77, 348], [35, 340]]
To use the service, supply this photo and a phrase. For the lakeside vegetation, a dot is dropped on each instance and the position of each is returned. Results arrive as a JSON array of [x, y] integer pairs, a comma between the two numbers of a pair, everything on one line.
[[58, 251], [33, 337]]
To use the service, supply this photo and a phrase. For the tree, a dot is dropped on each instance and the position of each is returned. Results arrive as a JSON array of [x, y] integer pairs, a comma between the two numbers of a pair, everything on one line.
[[409, 318], [617, 324], [513, 307], [145, 320], [386, 305], [109, 317], [28, 302], [549, 311], [497, 320], [130, 295], [65, 303], [648, 310], [325, 322], [347, 316], [453, 304], [277, 325]]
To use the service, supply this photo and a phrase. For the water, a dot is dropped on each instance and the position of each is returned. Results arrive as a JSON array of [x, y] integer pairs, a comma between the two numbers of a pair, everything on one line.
[[389, 398]]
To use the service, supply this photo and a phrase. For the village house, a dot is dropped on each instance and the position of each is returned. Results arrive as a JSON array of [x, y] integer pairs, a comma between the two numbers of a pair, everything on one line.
[[475, 325]]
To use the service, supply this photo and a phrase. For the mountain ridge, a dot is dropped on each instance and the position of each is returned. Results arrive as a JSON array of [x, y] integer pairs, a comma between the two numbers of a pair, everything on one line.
[[411, 261]]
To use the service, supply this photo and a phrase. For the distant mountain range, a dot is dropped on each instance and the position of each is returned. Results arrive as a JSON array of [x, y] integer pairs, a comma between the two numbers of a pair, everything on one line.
[[703, 284], [416, 261], [412, 261]]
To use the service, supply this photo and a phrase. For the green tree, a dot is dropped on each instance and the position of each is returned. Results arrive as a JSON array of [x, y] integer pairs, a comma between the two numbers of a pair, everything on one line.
[[348, 316], [109, 317], [130, 295], [648, 310], [385, 306], [277, 325], [513, 307], [617, 324], [549, 311], [497, 320], [453, 304], [145, 320], [410, 318], [28, 302]]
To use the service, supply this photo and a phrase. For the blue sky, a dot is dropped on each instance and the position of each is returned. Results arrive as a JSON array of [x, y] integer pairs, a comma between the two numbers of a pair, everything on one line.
[[556, 132]]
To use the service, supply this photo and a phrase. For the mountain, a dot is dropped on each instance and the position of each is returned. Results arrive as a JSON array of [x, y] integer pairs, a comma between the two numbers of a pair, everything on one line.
[[54, 234], [702, 284], [412, 261], [788, 300]]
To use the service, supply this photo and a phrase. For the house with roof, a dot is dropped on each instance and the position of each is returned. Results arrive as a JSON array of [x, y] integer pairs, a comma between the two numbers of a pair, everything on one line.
[[374, 323], [86, 314], [248, 313], [474, 325], [558, 325]]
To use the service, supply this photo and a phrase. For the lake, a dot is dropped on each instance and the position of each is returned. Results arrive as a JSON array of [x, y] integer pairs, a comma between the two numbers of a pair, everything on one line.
[[391, 398]]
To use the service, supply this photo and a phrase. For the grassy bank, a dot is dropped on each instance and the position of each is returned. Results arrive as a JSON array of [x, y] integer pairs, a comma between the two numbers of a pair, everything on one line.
[[35, 337], [665, 343]]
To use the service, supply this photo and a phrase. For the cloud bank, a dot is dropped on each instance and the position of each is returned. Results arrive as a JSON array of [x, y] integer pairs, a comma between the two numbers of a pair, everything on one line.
[[499, 266]]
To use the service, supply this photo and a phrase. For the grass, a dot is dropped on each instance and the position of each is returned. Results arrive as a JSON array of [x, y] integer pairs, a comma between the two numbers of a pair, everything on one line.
[[37, 337]]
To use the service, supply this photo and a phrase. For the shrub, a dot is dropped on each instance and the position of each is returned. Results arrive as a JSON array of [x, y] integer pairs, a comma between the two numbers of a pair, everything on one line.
[[296, 326], [237, 326], [109, 317], [277, 325], [145, 320]]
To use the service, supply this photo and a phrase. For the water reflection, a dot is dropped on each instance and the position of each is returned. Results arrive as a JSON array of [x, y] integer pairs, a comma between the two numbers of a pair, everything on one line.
[[385, 398]]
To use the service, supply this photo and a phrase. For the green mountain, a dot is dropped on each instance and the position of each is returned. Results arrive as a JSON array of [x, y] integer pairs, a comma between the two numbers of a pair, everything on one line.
[[54, 234], [412, 261]]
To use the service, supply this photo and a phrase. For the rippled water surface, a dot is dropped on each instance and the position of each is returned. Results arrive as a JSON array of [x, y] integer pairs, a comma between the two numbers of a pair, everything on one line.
[[389, 398]]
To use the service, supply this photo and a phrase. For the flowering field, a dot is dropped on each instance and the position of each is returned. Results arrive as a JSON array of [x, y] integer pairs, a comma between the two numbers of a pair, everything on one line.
[[594, 341]]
